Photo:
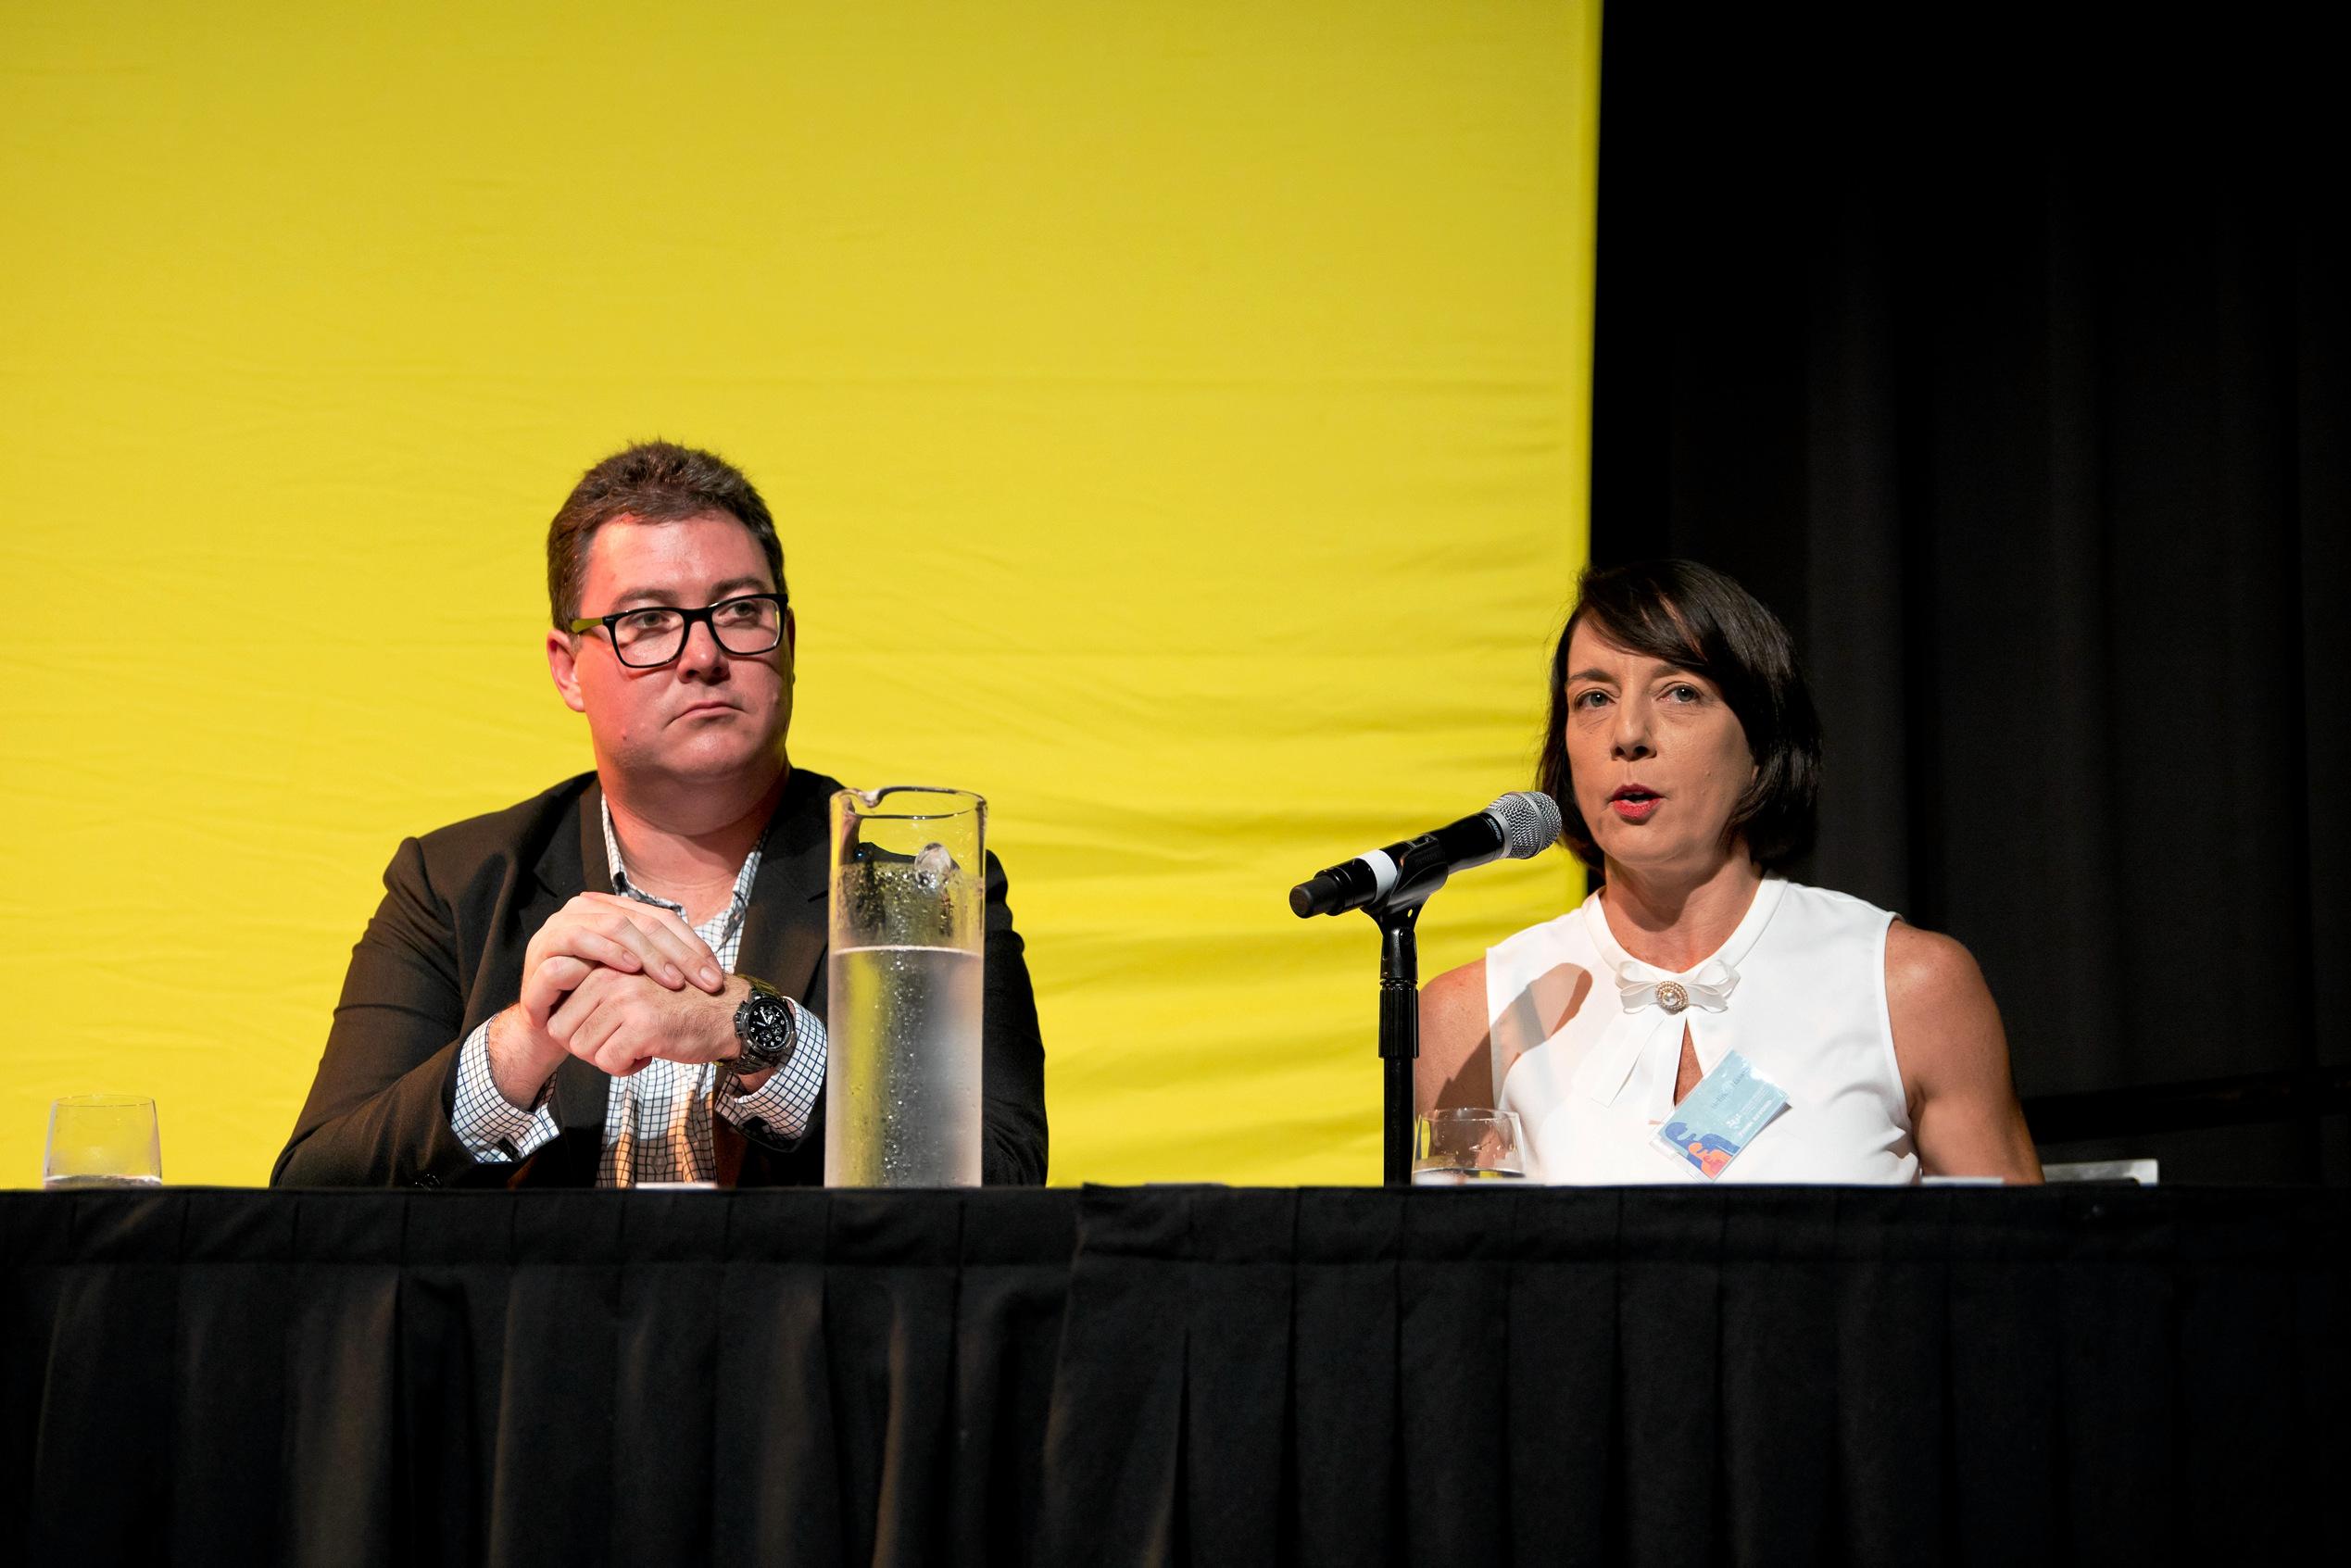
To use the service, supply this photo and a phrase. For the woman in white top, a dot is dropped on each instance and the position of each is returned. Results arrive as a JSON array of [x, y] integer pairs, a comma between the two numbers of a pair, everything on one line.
[[1683, 751]]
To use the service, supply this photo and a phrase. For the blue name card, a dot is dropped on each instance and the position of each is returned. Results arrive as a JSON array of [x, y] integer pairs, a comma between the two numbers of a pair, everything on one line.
[[1720, 1117]]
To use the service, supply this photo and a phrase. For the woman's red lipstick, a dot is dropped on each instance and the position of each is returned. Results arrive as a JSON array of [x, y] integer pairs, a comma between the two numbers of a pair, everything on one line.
[[1634, 802]]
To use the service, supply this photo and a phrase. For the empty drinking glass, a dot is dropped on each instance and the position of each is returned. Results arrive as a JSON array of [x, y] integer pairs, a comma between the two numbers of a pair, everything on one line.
[[102, 1141]]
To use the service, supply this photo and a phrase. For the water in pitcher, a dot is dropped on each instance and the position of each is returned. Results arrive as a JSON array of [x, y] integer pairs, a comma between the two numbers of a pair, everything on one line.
[[910, 1115]]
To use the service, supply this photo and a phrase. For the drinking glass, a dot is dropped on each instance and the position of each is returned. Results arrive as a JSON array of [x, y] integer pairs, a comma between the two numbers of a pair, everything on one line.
[[102, 1141], [1463, 1147]]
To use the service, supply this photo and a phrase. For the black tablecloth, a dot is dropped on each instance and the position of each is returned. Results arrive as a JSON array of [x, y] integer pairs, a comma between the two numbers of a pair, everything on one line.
[[1674, 1375]]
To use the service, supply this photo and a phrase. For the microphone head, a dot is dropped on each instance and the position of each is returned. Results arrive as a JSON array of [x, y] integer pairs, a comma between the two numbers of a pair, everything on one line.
[[1529, 823]]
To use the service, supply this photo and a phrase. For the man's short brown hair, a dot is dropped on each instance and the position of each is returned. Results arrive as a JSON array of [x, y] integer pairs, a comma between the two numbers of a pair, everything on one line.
[[652, 482]]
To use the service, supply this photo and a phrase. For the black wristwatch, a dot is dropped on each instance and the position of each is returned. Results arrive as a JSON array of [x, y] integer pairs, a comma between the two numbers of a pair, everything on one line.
[[764, 1024]]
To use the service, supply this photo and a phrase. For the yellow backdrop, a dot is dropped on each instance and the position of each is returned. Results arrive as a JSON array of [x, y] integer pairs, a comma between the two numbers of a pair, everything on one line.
[[1176, 414]]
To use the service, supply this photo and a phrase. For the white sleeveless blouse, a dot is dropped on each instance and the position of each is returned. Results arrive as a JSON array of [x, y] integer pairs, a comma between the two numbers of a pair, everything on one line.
[[1799, 990]]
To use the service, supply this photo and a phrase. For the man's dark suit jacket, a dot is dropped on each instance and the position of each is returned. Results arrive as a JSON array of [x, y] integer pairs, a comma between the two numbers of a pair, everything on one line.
[[445, 952]]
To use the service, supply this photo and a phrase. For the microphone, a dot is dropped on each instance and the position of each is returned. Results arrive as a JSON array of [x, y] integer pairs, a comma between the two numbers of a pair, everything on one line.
[[1518, 825]]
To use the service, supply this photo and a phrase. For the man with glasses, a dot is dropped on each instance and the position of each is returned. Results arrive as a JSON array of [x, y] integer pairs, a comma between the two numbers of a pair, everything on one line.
[[621, 981]]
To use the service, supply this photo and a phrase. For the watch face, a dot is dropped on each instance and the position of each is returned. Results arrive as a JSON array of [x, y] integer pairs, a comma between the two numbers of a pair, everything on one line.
[[764, 1024]]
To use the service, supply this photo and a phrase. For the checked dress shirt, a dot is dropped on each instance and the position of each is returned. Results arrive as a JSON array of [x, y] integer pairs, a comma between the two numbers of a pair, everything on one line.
[[657, 1127]]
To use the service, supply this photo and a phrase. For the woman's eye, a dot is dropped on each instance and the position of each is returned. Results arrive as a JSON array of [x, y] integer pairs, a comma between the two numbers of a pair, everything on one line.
[[1684, 694], [1588, 699]]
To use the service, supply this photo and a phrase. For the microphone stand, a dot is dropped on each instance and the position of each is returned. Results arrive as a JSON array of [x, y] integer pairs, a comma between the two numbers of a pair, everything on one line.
[[1518, 825], [1398, 1032], [1419, 877]]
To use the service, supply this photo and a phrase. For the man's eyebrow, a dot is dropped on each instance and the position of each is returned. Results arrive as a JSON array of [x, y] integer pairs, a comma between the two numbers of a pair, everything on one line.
[[733, 588]]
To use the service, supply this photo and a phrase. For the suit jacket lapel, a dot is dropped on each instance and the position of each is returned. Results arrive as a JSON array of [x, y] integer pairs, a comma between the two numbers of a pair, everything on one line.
[[783, 933], [575, 863]]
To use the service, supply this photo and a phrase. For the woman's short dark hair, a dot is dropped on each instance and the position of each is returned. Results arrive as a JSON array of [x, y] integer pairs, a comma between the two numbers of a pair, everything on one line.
[[1695, 619], [652, 482]]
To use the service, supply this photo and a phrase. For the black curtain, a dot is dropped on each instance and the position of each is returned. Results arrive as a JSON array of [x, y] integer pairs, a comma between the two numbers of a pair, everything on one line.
[[2003, 356]]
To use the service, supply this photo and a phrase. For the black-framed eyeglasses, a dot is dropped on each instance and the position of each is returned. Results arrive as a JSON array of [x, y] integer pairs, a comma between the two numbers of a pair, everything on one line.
[[650, 637]]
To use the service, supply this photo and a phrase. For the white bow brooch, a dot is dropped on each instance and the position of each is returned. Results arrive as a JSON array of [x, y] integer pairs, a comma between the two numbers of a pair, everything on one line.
[[1708, 987]]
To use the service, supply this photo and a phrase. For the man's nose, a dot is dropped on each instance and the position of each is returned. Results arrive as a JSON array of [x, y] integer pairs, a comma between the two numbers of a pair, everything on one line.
[[701, 652]]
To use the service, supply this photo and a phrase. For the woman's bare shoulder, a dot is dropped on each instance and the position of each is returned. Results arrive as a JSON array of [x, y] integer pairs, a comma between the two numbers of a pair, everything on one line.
[[1460, 988], [1946, 1027], [1928, 969], [1954, 1057], [1453, 1068], [1452, 1012]]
